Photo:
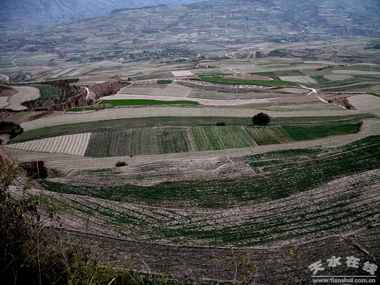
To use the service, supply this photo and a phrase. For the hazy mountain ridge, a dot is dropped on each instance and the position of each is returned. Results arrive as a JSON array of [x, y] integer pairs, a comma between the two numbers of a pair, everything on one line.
[[52, 11], [206, 28]]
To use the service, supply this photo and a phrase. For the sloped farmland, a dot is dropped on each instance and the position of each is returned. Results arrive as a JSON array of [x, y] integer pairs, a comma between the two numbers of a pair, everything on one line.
[[138, 141], [70, 144]]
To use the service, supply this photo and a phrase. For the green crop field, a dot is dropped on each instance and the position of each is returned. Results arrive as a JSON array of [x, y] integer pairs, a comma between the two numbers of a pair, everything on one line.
[[219, 79], [158, 140], [146, 102], [138, 141], [265, 135], [309, 132], [217, 138]]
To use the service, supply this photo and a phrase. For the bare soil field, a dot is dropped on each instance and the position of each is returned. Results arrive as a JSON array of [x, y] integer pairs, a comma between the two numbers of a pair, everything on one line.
[[22, 95], [299, 79], [356, 72], [204, 102], [171, 90], [338, 77], [366, 103]]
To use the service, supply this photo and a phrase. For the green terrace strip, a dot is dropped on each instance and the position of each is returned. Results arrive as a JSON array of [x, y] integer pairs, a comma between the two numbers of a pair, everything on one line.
[[219, 79], [298, 172], [146, 102], [126, 124], [300, 133]]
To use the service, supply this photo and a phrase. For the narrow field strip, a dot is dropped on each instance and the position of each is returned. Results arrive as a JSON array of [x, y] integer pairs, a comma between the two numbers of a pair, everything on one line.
[[70, 144]]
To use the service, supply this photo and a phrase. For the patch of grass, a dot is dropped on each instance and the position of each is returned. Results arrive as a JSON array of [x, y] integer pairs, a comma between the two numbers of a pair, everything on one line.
[[146, 102], [218, 79]]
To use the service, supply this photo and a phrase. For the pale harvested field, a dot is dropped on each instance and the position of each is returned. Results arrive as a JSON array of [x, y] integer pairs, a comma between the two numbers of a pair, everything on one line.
[[338, 77], [291, 90], [312, 104], [299, 79], [366, 103], [171, 90], [24, 94], [252, 68], [356, 72], [205, 102], [70, 144], [3, 102], [248, 76], [215, 95], [146, 112], [182, 73], [4, 77]]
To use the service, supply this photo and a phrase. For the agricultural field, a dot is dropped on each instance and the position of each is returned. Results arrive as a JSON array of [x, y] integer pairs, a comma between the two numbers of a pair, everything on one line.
[[121, 140], [299, 79], [22, 94], [220, 79], [138, 141], [300, 171], [69, 144]]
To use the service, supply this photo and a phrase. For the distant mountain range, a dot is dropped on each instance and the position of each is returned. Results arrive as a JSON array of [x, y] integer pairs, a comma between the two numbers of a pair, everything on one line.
[[182, 31], [53, 11]]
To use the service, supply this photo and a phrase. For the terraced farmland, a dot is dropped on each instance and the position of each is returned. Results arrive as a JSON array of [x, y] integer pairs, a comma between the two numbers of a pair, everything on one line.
[[138, 141], [126, 138], [285, 173], [158, 140]]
